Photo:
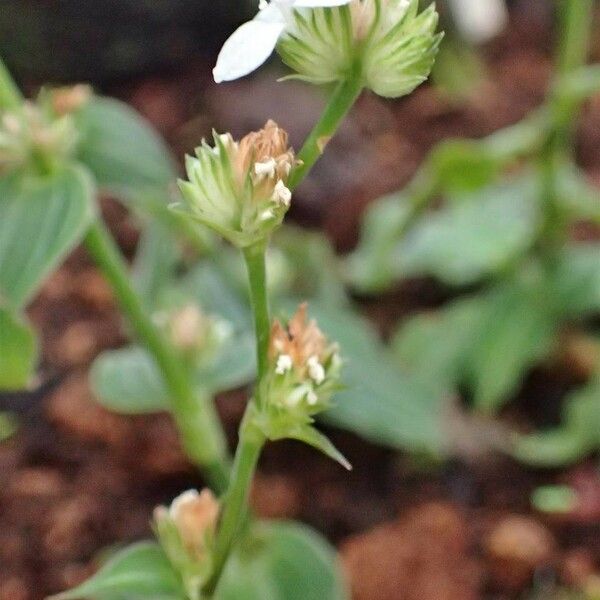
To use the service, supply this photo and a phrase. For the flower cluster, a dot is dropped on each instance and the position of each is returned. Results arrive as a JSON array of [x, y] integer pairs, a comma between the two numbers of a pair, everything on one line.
[[239, 188], [42, 131], [186, 531], [386, 43], [196, 335], [305, 366]]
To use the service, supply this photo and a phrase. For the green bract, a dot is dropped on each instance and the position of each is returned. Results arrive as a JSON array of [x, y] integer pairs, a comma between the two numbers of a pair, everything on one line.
[[386, 42]]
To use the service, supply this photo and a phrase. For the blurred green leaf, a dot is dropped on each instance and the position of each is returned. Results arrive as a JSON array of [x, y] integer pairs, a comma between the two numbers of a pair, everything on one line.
[[314, 266], [41, 220], [433, 346], [155, 261], [578, 436], [576, 280], [122, 150], [371, 267], [283, 561], [577, 196], [139, 572], [8, 426], [381, 403], [464, 165], [18, 354], [486, 342], [128, 381], [517, 329], [217, 296], [474, 238]]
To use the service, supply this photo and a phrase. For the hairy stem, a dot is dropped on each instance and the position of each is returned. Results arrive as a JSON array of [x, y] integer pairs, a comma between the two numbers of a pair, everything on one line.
[[235, 511], [201, 431], [257, 276]]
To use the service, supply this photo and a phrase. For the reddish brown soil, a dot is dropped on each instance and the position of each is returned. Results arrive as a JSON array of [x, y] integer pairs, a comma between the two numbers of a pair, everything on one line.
[[75, 479]]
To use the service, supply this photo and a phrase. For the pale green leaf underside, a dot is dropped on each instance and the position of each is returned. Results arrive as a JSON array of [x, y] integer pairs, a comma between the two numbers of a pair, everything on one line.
[[41, 220], [122, 149]]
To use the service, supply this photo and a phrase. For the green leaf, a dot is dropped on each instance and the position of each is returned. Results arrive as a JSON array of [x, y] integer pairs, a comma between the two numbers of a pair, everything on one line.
[[155, 261], [576, 280], [41, 220], [18, 354], [433, 346], [140, 572], [122, 149], [468, 240], [517, 329], [463, 165], [578, 436], [283, 561], [371, 267], [381, 402], [578, 197], [128, 381], [217, 296]]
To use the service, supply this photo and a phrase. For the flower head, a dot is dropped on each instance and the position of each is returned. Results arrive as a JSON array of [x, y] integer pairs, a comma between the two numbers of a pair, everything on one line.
[[239, 188], [41, 131], [186, 531], [197, 335], [385, 42], [305, 366]]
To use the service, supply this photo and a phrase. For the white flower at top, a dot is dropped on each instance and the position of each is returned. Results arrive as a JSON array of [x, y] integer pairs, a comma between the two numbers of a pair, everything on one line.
[[253, 42], [387, 44]]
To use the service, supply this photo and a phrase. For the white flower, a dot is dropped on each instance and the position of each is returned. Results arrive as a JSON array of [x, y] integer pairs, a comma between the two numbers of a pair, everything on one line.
[[284, 364], [252, 43], [479, 20]]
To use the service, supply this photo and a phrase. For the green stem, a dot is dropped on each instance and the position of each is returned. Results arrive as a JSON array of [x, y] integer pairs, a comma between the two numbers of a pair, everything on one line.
[[10, 96], [235, 510], [576, 18], [341, 101], [196, 418], [257, 278]]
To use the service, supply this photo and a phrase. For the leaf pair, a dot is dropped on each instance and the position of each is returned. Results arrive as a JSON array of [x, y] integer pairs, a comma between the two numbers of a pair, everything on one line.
[[278, 561]]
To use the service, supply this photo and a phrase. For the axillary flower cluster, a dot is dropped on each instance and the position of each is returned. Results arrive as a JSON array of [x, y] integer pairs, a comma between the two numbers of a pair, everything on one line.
[[42, 132], [305, 366], [238, 189]]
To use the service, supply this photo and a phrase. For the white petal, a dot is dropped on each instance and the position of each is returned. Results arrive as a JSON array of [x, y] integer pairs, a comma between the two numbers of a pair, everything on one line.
[[247, 49], [319, 3], [271, 14], [480, 20]]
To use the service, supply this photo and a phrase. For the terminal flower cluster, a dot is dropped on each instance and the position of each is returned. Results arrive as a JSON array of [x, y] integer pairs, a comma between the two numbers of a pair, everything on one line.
[[239, 189]]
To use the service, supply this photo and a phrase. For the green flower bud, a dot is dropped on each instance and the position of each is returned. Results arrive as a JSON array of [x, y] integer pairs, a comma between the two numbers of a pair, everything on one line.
[[238, 189], [186, 533], [198, 336], [386, 42]]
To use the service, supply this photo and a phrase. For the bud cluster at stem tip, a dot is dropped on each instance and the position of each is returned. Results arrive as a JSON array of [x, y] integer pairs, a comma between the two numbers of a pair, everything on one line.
[[239, 189]]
